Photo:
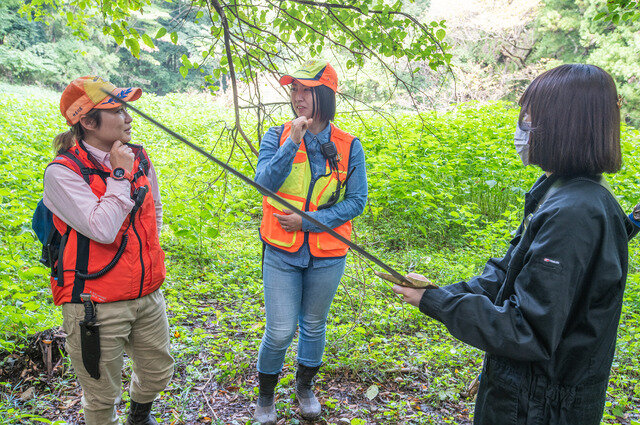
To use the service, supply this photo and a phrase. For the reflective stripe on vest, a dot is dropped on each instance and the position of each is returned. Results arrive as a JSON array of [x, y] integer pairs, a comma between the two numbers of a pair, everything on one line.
[[299, 189], [140, 269]]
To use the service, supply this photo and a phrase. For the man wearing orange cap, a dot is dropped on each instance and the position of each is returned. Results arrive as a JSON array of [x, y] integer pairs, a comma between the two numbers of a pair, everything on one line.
[[321, 169], [106, 262]]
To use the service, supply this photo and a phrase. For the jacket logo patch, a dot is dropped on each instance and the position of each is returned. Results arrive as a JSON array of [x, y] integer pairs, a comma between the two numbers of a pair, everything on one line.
[[550, 261]]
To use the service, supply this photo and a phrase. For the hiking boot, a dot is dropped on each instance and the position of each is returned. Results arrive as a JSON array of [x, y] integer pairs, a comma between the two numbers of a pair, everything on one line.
[[309, 405], [265, 412], [140, 414]]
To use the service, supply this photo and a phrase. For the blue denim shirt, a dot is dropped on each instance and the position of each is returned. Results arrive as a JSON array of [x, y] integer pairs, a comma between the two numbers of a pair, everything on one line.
[[274, 165]]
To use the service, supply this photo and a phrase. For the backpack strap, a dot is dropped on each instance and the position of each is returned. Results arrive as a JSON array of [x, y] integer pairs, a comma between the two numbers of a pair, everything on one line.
[[82, 263], [54, 253], [85, 171], [145, 162]]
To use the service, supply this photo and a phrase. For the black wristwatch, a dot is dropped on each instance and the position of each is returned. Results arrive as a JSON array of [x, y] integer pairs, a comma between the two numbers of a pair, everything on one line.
[[120, 173]]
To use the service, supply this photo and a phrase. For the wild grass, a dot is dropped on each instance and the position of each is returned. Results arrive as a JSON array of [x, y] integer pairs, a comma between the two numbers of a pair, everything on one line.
[[443, 199]]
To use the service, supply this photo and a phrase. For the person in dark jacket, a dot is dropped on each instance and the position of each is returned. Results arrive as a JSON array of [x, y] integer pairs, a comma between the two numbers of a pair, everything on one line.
[[546, 314]]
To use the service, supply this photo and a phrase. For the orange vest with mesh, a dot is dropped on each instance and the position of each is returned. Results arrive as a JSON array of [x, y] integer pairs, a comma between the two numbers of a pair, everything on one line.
[[300, 190], [139, 271]]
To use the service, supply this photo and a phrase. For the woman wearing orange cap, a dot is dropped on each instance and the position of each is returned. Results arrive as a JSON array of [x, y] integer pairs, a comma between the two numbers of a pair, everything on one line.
[[320, 169], [107, 265]]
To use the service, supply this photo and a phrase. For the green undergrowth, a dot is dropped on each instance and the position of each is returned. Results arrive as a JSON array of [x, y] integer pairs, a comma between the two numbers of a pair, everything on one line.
[[444, 195]]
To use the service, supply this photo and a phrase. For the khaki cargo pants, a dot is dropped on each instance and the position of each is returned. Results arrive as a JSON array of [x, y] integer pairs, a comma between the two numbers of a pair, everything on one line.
[[138, 327]]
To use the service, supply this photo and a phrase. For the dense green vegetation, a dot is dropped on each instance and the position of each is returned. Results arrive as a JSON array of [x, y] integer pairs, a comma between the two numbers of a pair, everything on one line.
[[445, 188], [32, 52], [444, 195], [489, 61], [568, 31]]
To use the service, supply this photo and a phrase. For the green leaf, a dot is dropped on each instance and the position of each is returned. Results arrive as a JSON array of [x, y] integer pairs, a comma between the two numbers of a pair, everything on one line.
[[134, 46], [148, 41], [599, 16], [440, 34], [186, 62], [161, 32], [174, 37]]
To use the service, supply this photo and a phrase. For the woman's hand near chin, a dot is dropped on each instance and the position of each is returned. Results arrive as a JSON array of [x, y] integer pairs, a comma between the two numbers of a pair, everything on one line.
[[299, 126]]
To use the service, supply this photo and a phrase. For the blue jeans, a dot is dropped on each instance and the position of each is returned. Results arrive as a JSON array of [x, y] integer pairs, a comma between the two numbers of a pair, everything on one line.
[[296, 296]]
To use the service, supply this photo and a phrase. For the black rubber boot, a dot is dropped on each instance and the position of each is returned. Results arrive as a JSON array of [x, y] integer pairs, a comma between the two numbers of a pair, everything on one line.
[[265, 412], [140, 414], [309, 405]]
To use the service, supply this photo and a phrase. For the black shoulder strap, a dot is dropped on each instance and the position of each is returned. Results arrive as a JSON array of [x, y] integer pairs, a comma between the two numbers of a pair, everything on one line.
[[84, 170], [82, 263], [144, 164]]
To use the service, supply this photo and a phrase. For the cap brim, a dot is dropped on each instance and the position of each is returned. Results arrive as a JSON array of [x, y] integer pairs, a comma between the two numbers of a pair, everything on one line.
[[288, 79], [128, 94]]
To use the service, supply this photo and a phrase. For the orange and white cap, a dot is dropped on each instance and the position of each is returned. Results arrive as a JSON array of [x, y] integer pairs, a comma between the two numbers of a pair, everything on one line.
[[313, 73], [85, 94]]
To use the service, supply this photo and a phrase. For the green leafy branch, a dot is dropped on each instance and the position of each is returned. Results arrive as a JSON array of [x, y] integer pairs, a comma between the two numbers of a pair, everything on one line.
[[244, 41], [620, 10]]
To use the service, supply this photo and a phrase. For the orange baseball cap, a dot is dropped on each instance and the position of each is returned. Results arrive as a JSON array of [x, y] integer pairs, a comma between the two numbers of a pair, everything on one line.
[[313, 73], [85, 94]]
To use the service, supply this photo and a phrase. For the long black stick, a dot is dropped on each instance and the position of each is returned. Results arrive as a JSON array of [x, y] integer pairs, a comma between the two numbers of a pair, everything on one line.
[[266, 192]]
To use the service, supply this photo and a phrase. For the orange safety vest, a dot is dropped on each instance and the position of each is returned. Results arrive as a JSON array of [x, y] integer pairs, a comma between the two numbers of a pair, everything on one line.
[[301, 191], [140, 269]]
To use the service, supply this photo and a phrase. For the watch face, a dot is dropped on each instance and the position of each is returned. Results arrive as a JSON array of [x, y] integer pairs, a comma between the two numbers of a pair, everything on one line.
[[118, 173]]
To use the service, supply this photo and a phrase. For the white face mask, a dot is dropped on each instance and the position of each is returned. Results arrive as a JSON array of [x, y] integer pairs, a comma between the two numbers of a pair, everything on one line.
[[521, 141]]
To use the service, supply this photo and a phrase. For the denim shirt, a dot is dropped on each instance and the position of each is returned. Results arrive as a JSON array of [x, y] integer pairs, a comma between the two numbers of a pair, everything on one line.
[[274, 165]]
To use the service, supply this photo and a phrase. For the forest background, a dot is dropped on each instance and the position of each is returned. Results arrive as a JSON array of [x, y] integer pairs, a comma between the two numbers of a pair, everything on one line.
[[445, 191]]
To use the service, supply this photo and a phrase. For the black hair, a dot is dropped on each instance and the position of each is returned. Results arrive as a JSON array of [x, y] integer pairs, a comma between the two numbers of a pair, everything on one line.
[[574, 121], [324, 101]]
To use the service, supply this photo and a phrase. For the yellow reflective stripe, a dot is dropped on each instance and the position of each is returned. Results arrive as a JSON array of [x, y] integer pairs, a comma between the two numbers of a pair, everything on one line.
[[277, 205], [283, 244]]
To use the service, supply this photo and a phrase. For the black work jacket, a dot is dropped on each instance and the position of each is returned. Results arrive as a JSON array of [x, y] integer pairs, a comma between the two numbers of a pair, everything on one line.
[[546, 314]]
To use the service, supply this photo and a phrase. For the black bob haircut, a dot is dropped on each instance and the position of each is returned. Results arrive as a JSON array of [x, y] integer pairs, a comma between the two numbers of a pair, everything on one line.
[[324, 102], [573, 115]]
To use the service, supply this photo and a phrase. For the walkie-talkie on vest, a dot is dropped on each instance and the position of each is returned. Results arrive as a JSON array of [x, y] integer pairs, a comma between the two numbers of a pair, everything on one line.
[[330, 152]]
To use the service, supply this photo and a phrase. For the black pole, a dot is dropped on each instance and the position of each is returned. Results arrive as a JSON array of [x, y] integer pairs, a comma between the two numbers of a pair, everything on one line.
[[266, 192]]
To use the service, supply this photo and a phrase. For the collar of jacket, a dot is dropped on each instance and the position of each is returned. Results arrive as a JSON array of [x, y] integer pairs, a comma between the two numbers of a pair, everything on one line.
[[537, 192]]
